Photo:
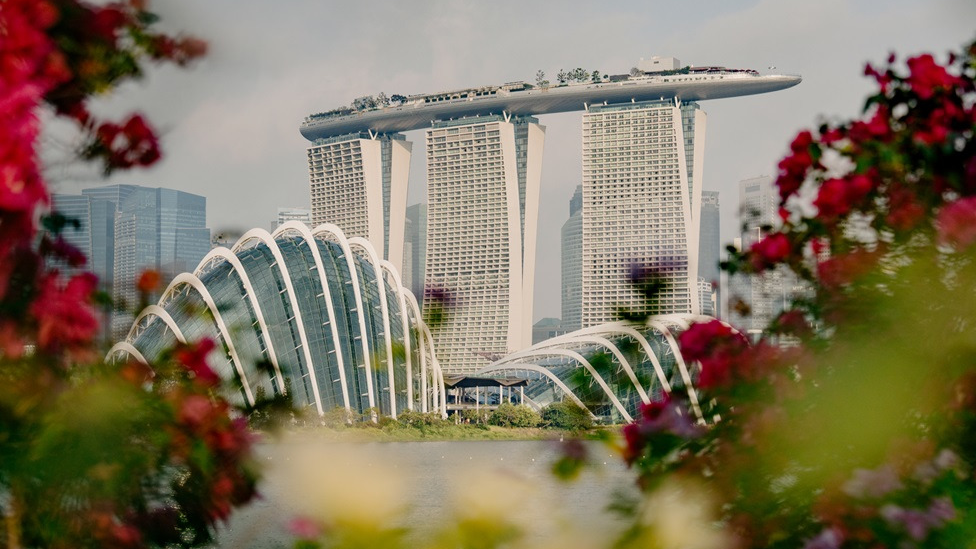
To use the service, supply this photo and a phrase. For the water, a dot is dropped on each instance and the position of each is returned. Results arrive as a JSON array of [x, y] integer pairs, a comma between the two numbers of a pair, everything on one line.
[[423, 485]]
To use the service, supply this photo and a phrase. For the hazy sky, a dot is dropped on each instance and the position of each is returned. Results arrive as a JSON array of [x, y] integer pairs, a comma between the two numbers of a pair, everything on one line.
[[230, 124]]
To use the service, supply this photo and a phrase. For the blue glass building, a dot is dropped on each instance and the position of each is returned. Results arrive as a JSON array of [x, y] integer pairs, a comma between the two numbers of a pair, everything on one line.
[[331, 320]]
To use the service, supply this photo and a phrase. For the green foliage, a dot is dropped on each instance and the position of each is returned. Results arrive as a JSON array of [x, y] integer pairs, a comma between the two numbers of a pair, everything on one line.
[[511, 415], [566, 415]]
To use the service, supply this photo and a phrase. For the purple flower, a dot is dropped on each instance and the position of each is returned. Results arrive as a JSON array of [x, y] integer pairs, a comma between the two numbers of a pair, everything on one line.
[[872, 483], [829, 538]]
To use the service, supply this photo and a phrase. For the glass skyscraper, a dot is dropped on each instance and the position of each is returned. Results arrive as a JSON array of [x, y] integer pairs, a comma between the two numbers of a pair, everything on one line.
[[133, 228], [572, 263], [709, 253]]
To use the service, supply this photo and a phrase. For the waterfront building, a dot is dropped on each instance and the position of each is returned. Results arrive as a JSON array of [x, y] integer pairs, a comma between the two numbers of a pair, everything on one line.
[[358, 182], [483, 177], [572, 263], [609, 369], [641, 201], [643, 137], [325, 313], [302, 215]]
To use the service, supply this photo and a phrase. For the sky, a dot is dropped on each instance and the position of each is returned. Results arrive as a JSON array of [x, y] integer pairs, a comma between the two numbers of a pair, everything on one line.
[[229, 123]]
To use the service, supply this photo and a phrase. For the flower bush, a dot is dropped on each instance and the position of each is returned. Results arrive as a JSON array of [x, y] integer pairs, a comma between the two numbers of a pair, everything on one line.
[[94, 454], [861, 432]]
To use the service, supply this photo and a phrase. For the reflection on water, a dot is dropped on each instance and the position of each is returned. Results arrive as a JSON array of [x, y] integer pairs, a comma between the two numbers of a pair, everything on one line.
[[423, 484]]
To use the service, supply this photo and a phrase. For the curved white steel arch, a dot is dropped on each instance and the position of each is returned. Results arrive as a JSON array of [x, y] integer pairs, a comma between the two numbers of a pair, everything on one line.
[[586, 364], [680, 361], [407, 350], [439, 396], [412, 300], [160, 313], [303, 230], [548, 373], [126, 347], [195, 283], [362, 243], [623, 328], [265, 237], [339, 238], [624, 363], [235, 263]]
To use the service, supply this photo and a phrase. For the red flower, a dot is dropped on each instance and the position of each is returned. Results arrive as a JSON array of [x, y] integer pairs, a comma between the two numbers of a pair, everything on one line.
[[148, 281], [64, 313], [769, 251], [195, 411], [928, 77], [846, 268], [194, 358], [904, 211], [956, 224], [831, 201], [720, 351]]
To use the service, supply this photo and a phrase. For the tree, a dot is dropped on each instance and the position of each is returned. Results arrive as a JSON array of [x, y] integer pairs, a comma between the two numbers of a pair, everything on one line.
[[566, 414], [540, 77], [634, 71], [580, 74], [92, 453], [562, 76], [860, 433], [398, 99], [596, 78], [382, 100]]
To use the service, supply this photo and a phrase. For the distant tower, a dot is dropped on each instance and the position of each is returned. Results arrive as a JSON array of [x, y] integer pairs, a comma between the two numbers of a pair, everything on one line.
[[572, 263], [415, 248], [709, 253], [359, 183], [483, 178], [642, 166], [763, 296], [302, 215]]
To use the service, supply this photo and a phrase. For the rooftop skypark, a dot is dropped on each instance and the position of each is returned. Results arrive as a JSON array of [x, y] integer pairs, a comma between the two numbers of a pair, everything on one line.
[[571, 92]]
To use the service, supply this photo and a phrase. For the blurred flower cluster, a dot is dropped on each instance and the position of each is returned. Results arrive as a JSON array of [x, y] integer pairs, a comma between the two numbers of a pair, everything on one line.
[[852, 421], [93, 454]]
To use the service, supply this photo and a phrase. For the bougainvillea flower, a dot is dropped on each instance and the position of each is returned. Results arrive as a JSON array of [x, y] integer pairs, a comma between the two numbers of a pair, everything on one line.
[[956, 224]]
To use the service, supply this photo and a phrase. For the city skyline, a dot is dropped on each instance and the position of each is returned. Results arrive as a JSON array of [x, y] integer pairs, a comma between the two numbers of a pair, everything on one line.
[[231, 133]]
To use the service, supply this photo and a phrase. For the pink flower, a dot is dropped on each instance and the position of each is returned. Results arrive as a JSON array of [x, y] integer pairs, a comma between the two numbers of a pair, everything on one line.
[[304, 528], [956, 224]]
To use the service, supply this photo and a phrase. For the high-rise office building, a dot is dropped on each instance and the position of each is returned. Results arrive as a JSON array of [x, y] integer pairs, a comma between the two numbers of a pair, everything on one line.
[[572, 263], [483, 177], [77, 231], [132, 228], [415, 248], [302, 215], [709, 253], [755, 300], [641, 200], [358, 182]]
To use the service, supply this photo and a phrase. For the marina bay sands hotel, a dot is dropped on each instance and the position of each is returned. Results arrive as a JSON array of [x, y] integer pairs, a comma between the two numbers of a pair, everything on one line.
[[643, 145]]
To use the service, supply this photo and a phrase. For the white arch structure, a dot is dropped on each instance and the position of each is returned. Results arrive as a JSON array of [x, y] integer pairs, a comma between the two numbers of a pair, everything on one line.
[[335, 234], [603, 336], [407, 350], [265, 237], [361, 243], [224, 254], [187, 279], [431, 377], [305, 233]]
